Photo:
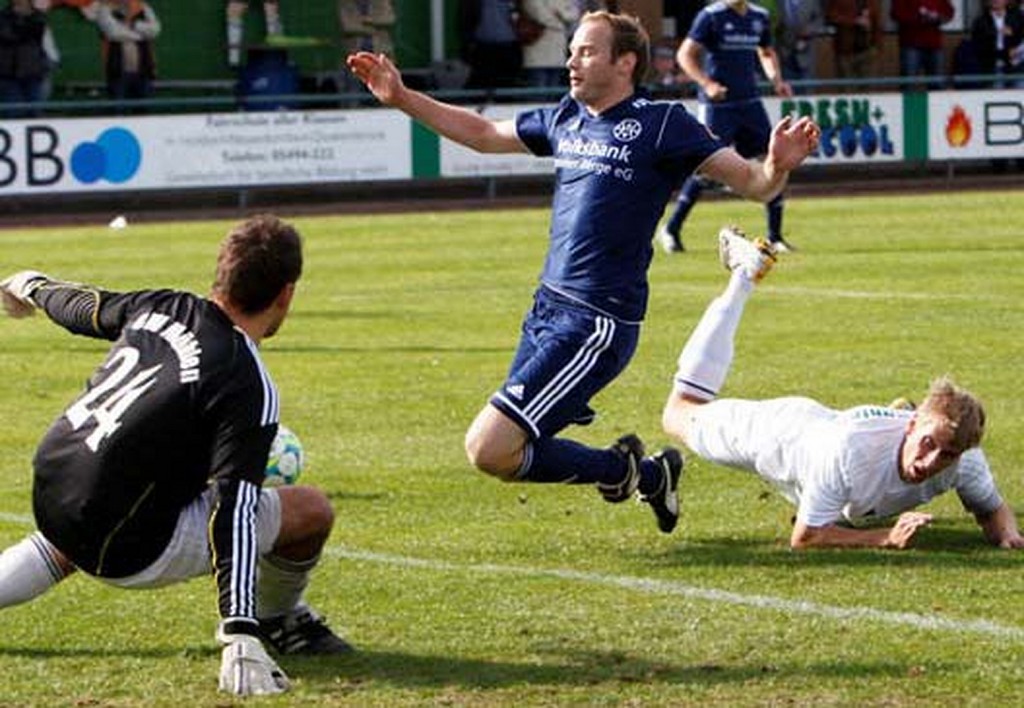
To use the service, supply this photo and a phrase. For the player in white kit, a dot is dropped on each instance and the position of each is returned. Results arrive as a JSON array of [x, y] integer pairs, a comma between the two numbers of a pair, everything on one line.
[[836, 466]]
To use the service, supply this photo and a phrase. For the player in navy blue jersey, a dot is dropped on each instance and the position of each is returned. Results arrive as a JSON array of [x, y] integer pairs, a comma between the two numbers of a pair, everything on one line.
[[618, 156], [153, 474], [727, 41]]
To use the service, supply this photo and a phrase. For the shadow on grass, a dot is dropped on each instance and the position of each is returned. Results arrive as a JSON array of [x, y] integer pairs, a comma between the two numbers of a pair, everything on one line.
[[938, 546], [127, 651], [561, 668]]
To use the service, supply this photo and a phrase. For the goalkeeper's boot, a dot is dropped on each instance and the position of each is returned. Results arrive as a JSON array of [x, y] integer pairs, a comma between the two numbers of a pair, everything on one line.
[[665, 501], [631, 450], [737, 252], [302, 631]]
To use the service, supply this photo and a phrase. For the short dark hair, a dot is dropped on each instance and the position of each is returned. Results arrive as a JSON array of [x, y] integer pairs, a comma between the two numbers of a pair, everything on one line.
[[257, 259], [628, 35]]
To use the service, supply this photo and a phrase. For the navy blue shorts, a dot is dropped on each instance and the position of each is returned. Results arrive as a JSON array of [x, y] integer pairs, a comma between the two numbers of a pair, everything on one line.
[[744, 125], [567, 353]]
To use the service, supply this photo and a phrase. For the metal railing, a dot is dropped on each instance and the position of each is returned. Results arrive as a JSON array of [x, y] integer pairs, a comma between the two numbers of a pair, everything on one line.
[[223, 96]]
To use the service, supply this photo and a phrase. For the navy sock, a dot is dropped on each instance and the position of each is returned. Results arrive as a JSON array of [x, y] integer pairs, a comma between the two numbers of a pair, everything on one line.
[[773, 210], [651, 477], [688, 196], [561, 461]]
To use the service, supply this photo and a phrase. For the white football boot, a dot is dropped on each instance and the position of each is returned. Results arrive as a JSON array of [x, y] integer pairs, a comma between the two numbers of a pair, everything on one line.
[[737, 252]]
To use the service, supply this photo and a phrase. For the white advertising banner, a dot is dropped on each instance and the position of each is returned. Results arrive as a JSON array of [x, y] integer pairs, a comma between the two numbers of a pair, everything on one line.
[[459, 161], [975, 124], [204, 150]]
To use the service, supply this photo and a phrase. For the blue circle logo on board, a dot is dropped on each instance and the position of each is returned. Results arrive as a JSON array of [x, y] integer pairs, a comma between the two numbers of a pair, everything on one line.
[[115, 156]]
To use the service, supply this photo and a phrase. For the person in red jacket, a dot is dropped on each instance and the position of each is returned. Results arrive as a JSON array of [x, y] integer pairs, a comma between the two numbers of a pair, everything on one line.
[[920, 34]]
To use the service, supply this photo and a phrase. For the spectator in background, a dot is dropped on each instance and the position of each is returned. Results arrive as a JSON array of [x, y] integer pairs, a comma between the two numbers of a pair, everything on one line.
[[857, 38], [544, 59], [236, 26], [682, 14], [920, 35], [128, 28], [23, 62], [490, 45], [666, 77], [585, 6], [996, 37], [366, 25], [799, 23], [52, 52]]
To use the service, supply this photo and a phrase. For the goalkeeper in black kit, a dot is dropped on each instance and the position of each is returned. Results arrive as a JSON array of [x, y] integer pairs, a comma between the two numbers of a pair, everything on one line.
[[153, 475]]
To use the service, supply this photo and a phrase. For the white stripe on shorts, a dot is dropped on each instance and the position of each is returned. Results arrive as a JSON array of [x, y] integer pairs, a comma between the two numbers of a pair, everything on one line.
[[573, 372]]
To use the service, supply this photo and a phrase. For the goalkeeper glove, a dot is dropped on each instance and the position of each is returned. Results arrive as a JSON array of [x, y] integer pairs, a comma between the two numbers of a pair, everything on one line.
[[16, 292], [246, 669]]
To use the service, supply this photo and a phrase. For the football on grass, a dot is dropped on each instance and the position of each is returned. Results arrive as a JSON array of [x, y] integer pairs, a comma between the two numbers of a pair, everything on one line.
[[284, 465]]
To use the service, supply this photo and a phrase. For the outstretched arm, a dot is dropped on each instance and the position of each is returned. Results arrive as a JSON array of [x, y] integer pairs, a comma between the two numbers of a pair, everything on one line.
[[1000, 527], [463, 126], [833, 536], [791, 143], [80, 309]]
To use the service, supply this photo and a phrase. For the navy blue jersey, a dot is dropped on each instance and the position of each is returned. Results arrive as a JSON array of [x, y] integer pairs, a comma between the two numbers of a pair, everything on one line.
[[730, 42], [181, 401], [614, 173]]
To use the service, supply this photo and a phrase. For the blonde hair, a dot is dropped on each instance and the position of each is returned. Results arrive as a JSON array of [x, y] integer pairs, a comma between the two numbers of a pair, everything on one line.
[[960, 408], [628, 35]]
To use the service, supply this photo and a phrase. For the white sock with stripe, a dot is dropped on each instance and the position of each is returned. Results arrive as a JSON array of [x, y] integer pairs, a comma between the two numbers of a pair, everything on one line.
[[707, 355], [27, 570]]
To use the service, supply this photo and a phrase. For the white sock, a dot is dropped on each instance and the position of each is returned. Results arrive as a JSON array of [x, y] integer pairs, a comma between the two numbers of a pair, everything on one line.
[[280, 583], [707, 355], [27, 570]]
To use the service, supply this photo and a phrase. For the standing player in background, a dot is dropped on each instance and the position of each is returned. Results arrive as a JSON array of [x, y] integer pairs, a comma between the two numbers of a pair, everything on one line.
[[153, 475], [617, 156], [236, 10], [726, 42], [837, 467]]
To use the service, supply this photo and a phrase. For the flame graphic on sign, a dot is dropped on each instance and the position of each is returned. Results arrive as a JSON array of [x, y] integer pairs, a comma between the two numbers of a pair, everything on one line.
[[958, 128]]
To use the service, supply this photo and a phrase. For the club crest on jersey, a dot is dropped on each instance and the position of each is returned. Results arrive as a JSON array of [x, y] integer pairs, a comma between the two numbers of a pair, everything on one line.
[[627, 130]]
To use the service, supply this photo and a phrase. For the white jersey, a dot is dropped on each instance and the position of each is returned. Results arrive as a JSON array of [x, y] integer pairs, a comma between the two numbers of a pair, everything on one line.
[[832, 464]]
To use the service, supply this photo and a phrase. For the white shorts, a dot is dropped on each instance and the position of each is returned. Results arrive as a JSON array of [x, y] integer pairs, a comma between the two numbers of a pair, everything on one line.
[[188, 553], [757, 436]]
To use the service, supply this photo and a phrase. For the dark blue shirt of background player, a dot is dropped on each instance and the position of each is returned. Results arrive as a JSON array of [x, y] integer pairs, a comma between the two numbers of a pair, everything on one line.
[[614, 172], [730, 40]]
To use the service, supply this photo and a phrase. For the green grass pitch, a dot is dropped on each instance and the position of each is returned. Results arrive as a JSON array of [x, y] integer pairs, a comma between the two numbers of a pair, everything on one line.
[[462, 591]]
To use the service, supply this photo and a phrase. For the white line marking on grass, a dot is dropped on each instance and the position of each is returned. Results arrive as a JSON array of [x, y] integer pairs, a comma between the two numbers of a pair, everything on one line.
[[670, 587]]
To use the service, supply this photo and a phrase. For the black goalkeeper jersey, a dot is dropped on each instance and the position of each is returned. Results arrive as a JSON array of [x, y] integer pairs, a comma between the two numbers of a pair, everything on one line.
[[181, 400]]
